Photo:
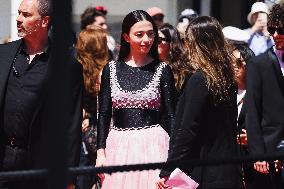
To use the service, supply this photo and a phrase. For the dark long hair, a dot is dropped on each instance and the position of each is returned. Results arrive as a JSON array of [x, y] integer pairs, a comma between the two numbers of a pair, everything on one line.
[[208, 51], [177, 57], [129, 20]]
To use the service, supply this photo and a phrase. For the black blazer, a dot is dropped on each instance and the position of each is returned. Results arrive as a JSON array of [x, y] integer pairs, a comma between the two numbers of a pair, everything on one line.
[[40, 120], [204, 130], [265, 103]]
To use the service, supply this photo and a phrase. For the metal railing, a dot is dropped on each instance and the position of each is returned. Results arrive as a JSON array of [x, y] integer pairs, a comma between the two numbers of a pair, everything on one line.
[[30, 174]]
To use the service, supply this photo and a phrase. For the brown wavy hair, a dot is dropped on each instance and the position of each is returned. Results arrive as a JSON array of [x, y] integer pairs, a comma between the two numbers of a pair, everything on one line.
[[92, 53], [208, 52]]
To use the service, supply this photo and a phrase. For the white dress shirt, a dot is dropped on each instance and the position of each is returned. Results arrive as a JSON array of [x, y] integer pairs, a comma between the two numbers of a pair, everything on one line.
[[240, 97]]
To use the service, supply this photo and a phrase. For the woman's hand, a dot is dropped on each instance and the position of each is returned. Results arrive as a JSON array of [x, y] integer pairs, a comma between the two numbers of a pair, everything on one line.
[[161, 184], [100, 161]]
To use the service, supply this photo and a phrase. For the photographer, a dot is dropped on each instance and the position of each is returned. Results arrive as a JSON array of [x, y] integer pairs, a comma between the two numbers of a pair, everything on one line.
[[260, 39]]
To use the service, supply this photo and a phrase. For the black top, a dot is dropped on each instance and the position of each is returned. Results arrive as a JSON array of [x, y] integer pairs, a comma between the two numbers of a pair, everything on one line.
[[23, 91], [69, 100], [133, 79], [205, 129]]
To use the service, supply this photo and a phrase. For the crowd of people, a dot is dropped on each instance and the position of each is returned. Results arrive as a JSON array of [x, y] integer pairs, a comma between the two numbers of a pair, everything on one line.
[[195, 91]]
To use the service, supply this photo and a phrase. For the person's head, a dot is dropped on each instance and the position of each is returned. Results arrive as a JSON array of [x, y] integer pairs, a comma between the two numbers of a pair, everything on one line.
[[92, 17], [185, 17], [170, 45], [171, 51], [275, 25], [139, 35], [164, 41], [157, 14], [187, 14], [258, 9], [207, 50], [92, 53], [34, 18], [242, 53]]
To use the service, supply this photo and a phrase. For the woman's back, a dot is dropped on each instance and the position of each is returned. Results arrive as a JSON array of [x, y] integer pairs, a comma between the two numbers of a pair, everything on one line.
[[210, 128]]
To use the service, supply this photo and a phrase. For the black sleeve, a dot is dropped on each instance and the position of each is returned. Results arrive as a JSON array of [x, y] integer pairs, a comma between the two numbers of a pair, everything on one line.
[[188, 117], [75, 113], [253, 100], [60, 114], [105, 108], [168, 94]]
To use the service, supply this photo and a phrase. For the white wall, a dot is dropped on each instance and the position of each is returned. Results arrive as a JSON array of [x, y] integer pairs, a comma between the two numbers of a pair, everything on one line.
[[14, 13], [117, 10], [123, 7], [5, 14]]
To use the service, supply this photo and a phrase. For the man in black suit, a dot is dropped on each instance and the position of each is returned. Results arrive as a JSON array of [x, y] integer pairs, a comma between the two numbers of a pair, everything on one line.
[[265, 102], [24, 108]]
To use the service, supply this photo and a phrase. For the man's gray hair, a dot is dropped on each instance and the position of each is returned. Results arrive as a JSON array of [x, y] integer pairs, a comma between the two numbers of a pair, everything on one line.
[[45, 7]]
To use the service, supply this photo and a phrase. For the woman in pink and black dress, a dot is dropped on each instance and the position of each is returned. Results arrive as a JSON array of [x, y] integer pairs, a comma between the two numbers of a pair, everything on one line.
[[139, 89]]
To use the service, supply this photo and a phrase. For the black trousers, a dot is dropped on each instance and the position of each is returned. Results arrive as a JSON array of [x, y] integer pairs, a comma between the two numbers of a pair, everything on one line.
[[84, 181], [12, 159]]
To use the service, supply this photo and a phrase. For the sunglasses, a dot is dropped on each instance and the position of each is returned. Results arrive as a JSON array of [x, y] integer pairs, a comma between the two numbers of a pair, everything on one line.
[[239, 61], [161, 39], [272, 30]]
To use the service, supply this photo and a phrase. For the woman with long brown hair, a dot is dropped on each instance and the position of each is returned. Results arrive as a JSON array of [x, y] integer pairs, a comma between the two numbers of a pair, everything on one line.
[[92, 53], [205, 125]]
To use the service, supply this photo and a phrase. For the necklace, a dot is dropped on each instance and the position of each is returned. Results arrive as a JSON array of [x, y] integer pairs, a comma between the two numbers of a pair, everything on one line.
[[15, 71]]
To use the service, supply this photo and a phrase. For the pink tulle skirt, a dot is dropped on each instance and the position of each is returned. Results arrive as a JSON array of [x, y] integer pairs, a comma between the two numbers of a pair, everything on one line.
[[124, 147]]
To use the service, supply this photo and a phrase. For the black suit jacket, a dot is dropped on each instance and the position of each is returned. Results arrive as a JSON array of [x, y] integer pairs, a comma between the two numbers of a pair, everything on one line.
[[265, 103], [204, 130], [39, 123]]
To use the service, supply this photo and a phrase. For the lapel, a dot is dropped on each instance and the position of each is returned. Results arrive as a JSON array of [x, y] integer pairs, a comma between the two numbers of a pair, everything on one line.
[[242, 116], [7, 54], [277, 69]]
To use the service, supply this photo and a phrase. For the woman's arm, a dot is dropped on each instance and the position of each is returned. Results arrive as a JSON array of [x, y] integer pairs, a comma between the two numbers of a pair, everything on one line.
[[168, 102], [105, 108]]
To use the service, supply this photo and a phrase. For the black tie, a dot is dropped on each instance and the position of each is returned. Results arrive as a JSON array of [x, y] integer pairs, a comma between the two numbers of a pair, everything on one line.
[[282, 57]]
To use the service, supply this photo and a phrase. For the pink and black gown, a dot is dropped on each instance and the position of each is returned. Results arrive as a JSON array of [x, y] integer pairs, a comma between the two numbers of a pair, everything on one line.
[[141, 102]]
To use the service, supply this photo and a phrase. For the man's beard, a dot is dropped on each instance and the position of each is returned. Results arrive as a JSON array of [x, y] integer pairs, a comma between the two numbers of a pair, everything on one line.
[[27, 32]]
